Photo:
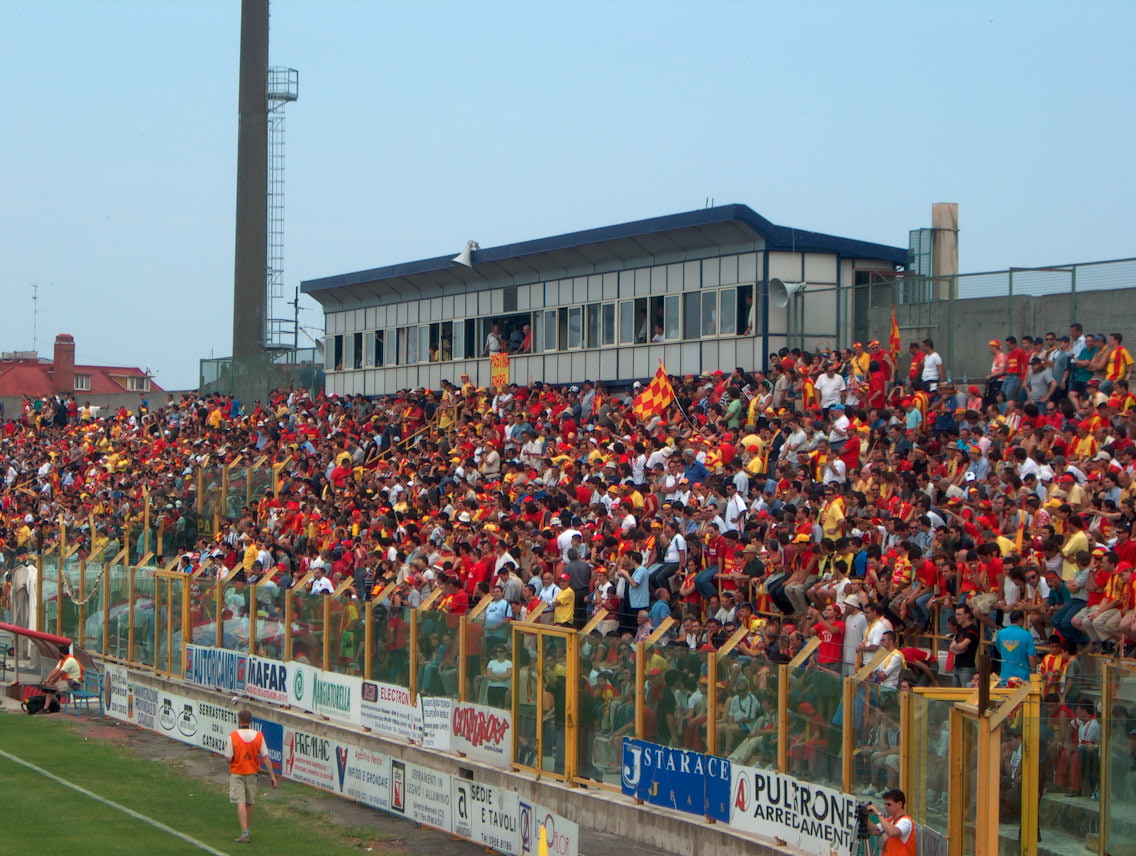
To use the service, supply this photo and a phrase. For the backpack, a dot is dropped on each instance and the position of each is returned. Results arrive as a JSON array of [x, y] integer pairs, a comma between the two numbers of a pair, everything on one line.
[[38, 704]]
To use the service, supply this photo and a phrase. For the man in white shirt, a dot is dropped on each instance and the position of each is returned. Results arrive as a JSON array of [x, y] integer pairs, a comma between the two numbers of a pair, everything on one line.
[[932, 366], [855, 626], [830, 387], [735, 508], [673, 558], [322, 584]]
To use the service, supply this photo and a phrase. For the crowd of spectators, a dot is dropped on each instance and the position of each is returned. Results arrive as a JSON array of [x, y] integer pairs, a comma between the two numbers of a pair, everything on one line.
[[854, 496]]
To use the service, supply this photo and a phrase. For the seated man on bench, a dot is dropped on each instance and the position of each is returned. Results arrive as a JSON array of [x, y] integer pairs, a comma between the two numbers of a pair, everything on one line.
[[67, 676]]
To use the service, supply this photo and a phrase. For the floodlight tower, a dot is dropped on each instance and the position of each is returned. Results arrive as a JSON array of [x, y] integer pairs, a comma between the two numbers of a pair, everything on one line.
[[280, 331]]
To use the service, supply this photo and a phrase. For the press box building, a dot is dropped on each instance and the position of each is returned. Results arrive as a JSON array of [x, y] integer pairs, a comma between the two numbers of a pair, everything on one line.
[[606, 304]]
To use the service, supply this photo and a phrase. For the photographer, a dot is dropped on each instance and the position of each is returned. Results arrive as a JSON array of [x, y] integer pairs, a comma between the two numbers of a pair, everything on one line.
[[897, 828]]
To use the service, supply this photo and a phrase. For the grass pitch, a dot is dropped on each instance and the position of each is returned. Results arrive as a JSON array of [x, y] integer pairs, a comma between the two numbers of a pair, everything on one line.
[[45, 816]]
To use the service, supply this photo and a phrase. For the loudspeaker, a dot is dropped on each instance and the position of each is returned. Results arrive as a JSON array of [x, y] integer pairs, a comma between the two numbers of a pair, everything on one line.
[[465, 257], [781, 292]]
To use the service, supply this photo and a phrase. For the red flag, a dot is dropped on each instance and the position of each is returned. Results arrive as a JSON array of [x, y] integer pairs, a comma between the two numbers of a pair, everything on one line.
[[893, 336]]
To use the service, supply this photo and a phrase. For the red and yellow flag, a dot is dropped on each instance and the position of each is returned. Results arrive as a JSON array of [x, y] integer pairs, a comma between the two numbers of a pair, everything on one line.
[[656, 397], [893, 336]]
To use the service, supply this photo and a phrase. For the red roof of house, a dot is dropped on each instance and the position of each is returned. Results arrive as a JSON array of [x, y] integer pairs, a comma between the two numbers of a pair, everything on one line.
[[34, 378]]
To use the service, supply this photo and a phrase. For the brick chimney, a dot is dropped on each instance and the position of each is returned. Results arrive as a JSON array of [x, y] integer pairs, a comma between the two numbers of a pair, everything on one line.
[[63, 368]]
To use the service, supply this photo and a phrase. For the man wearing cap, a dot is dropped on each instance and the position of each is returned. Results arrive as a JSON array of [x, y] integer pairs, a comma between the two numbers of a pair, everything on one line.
[[1101, 622], [1040, 385], [564, 603], [997, 367]]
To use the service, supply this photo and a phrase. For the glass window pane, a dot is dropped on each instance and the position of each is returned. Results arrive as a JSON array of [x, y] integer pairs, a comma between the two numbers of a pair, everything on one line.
[[609, 324], [538, 332], [709, 313], [644, 329], [692, 318], [593, 325], [671, 317], [378, 347], [411, 345], [627, 322], [424, 352], [575, 327], [470, 338], [459, 340], [357, 350], [748, 321], [728, 318], [562, 329], [447, 341], [550, 330]]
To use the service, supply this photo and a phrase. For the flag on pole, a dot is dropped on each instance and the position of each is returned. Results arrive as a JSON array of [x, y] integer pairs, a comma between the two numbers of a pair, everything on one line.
[[893, 336], [656, 397], [1019, 540]]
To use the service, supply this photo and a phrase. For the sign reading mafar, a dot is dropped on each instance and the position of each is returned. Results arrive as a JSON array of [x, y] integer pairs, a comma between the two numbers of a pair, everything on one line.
[[267, 680], [812, 818], [215, 667], [677, 779]]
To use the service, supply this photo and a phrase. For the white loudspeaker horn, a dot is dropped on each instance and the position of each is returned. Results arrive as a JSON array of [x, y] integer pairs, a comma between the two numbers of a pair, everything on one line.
[[781, 292], [465, 257]]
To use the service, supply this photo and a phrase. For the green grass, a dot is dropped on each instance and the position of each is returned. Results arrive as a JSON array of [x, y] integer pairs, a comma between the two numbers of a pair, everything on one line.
[[43, 816]]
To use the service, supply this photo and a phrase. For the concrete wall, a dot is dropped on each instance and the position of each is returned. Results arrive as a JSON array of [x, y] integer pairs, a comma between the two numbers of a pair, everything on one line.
[[962, 328], [602, 811]]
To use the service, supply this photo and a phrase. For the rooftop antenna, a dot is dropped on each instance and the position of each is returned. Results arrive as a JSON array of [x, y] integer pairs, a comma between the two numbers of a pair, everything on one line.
[[710, 201]]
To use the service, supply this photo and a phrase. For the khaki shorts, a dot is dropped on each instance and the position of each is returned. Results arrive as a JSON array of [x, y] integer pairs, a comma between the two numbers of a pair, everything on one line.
[[242, 789], [983, 602]]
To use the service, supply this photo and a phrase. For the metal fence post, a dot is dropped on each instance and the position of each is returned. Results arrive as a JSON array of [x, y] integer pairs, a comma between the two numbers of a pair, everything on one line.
[[1073, 295], [1010, 307]]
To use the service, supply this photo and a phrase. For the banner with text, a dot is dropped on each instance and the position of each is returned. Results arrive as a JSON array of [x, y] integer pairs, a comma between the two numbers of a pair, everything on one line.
[[482, 733], [561, 834], [325, 693], [811, 818], [215, 668], [677, 779], [490, 816], [498, 369]]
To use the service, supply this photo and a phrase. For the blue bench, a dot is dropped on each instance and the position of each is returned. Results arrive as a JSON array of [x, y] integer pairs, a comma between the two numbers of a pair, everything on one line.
[[92, 693]]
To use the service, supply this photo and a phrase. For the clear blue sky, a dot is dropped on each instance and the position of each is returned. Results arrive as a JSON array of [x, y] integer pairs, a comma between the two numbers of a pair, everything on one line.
[[421, 124]]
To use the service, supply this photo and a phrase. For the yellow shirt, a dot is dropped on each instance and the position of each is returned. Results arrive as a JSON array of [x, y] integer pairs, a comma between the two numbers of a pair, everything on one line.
[[564, 606], [1077, 541]]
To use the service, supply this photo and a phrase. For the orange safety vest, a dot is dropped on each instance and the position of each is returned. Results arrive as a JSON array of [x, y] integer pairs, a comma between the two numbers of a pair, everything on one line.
[[894, 845], [246, 754], [82, 671]]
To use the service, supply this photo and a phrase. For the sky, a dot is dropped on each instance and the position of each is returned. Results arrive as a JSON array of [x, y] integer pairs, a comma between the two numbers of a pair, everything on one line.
[[422, 124]]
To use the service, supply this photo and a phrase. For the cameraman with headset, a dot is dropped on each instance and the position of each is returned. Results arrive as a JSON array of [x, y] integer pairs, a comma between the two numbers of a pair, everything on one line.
[[897, 828]]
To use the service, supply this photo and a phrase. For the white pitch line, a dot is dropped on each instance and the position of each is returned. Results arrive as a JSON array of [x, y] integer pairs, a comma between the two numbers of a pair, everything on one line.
[[129, 811]]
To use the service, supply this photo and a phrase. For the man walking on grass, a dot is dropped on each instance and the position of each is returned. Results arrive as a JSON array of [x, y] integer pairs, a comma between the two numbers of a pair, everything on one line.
[[247, 753]]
